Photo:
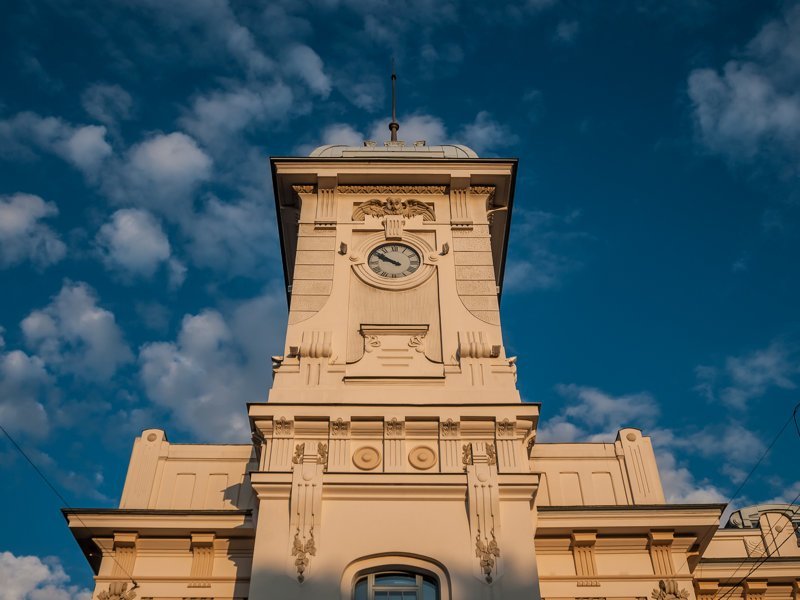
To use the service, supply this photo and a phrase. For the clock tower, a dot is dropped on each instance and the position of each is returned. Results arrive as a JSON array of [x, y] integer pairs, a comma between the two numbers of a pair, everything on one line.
[[394, 433]]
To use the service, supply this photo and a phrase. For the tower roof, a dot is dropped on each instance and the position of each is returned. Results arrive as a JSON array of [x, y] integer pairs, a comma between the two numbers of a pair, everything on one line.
[[394, 150]]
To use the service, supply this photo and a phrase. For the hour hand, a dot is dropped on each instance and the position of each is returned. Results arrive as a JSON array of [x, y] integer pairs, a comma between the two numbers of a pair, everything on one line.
[[387, 259]]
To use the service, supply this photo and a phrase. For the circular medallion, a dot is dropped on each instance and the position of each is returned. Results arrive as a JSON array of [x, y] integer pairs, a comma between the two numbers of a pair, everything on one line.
[[631, 437], [151, 437], [422, 458], [366, 458]]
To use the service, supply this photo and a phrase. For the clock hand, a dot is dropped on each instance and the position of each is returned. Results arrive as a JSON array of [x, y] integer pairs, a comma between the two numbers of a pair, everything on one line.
[[387, 259]]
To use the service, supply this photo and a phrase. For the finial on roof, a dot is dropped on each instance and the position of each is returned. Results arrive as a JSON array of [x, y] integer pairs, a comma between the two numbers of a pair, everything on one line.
[[394, 125]]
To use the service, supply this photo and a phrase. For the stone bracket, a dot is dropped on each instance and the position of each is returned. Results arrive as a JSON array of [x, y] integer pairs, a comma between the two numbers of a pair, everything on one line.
[[483, 500]]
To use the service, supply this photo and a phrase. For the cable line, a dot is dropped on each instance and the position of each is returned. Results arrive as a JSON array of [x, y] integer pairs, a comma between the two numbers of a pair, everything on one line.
[[64, 501]]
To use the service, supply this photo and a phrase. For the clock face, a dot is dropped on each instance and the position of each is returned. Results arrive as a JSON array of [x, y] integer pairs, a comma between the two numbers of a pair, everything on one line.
[[394, 260]]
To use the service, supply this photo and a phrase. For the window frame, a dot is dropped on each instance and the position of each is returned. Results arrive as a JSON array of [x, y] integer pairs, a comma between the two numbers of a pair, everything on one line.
[[420, 578]]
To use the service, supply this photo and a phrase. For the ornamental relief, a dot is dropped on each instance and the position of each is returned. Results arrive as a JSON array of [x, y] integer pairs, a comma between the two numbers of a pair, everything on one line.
[[393, 206]]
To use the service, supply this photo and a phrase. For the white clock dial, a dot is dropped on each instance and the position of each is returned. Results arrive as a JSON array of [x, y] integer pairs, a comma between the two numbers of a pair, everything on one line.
[[394, 260]]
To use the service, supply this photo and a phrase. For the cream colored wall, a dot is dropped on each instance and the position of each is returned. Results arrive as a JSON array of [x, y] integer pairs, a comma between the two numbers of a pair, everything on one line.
[[180, 476], [584, 474]]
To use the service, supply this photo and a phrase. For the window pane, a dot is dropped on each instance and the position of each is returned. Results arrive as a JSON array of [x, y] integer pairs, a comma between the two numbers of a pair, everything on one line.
[[429, 590], [396, 580], [361, 590]]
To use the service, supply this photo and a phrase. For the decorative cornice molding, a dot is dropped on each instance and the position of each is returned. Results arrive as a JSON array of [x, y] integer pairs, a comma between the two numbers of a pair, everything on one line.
[[392, 189]]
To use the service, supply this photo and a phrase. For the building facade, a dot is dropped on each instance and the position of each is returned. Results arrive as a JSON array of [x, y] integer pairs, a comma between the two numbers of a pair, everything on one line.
[[394, 457]]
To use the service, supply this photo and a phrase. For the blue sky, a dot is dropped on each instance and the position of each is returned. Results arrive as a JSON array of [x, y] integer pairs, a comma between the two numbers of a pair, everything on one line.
[[653, 277]]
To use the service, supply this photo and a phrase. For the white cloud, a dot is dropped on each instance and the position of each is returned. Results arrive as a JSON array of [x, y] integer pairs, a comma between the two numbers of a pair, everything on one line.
[[751, 107], [160, 173], [230, 236], [211, 28], [680, 485], [23, 236], [33, 578], [341, 133], [134, 242], [83, 146], [214, 367], [302, 62], [485, 134], [23, 382], [73, 334], [601, 415], [745, 378], [218, 116], [107, 103], [412, 128]]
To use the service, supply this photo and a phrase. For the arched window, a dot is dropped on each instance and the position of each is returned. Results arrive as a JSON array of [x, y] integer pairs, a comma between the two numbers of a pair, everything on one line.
[[396, 585]]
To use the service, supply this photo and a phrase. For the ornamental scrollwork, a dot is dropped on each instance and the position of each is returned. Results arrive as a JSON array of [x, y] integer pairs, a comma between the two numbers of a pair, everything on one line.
[[393, 206]]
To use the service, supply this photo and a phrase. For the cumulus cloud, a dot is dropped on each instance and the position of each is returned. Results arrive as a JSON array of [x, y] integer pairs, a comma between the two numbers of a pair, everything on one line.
[[230, 236], [485, 134], [74, 335], [594, 415], [680, 484], [34, 578], [133, 242], [23, 383], [211, 29], [412, 128], [750, 108], [160, 173], [107, 103], [302, 62], [745, 378], [83, 146], [218, 116], [214, 367], [23, 235]]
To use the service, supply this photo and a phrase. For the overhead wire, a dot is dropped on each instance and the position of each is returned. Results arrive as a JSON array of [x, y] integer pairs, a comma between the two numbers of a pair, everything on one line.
[[63, 500], [792, 417], [767, 554]]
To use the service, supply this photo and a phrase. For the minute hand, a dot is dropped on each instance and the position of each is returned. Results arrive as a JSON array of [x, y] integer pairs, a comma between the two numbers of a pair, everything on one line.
[[387, 259]]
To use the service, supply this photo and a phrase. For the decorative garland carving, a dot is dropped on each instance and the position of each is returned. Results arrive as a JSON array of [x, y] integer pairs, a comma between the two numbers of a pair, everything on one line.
[[487, 552], [301, 551], [669, 590], [393, 206], [298, 454], [392, 189], [394, 428], [303, 189]]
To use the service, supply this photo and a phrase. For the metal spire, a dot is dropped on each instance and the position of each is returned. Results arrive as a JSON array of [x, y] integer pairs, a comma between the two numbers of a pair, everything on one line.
[[394, 125]]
